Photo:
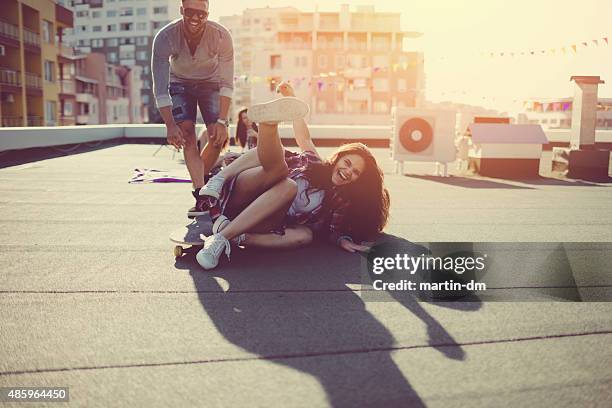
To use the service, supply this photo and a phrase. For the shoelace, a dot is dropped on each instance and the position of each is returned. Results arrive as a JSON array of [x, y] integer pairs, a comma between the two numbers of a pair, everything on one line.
[[217, 246], [215, 184]]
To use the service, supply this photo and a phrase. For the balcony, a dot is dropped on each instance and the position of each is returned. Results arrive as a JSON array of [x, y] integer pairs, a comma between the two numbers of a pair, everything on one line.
[[9, 30], [67, 86], [35, 120], [33, 80], [12, 121], [10, 77], [31, 38]]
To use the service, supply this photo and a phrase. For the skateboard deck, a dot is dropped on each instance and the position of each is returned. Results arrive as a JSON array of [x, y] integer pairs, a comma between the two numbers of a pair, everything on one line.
[[190, 234]]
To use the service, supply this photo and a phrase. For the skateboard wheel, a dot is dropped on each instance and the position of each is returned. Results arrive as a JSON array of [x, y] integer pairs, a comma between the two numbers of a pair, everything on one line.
[[178, 251]]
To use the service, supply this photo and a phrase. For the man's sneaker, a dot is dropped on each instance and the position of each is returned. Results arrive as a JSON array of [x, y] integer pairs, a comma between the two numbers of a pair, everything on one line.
[[213, 187], [201, 207], [278, 110], [214, 246], [220, 223]]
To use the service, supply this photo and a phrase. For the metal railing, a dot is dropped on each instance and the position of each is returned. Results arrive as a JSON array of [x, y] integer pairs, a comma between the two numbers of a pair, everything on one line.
[[33, 80], [68, 86], [9, 30], [30, 37], [35, 120], [10, 77], [12, 121]]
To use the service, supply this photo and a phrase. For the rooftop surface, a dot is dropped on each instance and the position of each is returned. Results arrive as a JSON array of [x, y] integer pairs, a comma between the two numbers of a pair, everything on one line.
[[93, 299]]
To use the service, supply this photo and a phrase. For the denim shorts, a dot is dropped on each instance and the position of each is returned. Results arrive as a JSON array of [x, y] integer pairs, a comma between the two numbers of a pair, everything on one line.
[[187, 96]]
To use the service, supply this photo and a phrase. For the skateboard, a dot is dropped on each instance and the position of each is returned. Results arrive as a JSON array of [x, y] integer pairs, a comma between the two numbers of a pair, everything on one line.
[[189, 236]]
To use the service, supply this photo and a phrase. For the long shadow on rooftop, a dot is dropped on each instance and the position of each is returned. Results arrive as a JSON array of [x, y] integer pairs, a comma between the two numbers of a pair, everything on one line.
[[470, 182], [294, 308], [551, 181], [23, 156]]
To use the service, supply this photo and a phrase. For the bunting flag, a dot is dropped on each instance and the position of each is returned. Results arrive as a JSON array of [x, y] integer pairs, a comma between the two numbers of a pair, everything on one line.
[[597, 42]]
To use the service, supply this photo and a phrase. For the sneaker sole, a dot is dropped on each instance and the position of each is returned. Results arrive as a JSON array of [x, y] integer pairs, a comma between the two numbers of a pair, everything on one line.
[[193, 214], [278, 110]]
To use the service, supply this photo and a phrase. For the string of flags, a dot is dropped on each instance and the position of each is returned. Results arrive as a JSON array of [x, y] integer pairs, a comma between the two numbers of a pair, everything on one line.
[[564, 50]]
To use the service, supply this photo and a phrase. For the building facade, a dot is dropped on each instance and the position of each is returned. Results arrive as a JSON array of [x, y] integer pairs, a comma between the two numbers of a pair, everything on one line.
[[123, 30], [557, 113], [351, 66], [31, 33]]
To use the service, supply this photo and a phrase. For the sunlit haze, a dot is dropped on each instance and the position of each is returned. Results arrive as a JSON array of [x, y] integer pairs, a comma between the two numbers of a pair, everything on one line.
[[459, 38]]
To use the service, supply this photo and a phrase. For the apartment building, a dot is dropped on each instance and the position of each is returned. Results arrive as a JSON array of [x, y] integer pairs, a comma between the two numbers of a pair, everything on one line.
[[123, 30], [31, 33], [350, 65], [556, 113], [105, 93]]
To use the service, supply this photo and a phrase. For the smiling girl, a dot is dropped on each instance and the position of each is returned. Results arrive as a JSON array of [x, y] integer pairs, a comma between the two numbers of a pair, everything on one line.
[[270, 189]]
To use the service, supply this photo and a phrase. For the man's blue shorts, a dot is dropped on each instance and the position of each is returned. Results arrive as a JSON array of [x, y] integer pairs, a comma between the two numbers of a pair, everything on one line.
[[187, 96]]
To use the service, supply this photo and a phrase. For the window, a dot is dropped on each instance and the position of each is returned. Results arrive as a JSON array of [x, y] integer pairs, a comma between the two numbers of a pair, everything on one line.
[[275, 61], [146, 84], [141, 26], [126, 11], [111, 27], [126, 41], [82, 28], [83, 13], [141, 11], [47, 31], [97, 29], [49, 71], [381, 107], [322, 61], [96, 14], [126, 54], [50, 113], [145, 99], [141, 55], [142, 40], [126, 26], [68, 108], [146, 70], [160, 10], [340, 61], [97, 43], [112, 42], [381, 61], [401, 85], [380, 85], [84, 43], [112, 57], [322, 106], [111, 13]]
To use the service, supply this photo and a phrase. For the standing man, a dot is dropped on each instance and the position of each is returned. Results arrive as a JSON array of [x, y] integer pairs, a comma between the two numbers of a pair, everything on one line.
[[193, 65]]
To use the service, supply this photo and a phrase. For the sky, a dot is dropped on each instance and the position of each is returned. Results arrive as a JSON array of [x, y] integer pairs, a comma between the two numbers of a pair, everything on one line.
[[458, 38]]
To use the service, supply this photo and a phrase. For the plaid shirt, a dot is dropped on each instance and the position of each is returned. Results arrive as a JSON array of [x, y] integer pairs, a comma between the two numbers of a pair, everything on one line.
[[323, 222]]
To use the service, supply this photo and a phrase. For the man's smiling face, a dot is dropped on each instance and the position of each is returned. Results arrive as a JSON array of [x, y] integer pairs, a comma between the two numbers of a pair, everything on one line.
[[195, 14]]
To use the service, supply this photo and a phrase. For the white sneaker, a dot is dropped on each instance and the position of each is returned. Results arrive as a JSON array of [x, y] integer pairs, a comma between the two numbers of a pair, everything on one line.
[[213, 187], [214, 246], [278, 110]]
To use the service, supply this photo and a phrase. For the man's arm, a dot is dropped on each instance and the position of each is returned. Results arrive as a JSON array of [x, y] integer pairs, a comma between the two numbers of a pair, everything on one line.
[[160, 70], [226, 83]]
